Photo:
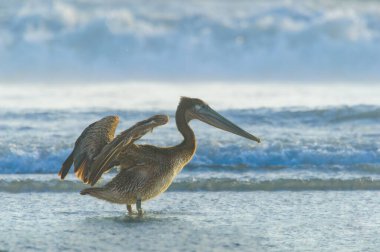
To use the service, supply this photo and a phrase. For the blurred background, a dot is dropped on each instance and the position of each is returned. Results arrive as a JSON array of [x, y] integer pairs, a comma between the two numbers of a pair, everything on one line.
[[240, 41]]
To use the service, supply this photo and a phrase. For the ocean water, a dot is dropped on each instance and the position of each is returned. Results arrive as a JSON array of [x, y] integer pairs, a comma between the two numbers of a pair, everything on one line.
[[312, 184], [321, 40], [194, 221]]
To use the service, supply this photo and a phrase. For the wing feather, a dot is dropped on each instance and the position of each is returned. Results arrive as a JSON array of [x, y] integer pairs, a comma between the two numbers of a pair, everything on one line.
[[88, 146]]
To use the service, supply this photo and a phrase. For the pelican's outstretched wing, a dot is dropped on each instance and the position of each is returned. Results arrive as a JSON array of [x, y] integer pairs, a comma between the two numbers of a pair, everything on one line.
[[96, 148], [88, 146], [111, 151]]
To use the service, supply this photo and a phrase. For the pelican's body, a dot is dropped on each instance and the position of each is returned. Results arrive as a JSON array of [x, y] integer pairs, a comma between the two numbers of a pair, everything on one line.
[[158, 168], [145, 171]]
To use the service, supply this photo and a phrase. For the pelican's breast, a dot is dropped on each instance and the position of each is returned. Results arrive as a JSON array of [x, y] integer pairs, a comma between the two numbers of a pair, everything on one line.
[[164, 176]]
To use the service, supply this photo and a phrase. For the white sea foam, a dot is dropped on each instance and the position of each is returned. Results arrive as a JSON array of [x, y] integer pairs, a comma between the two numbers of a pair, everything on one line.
[[161, 96]]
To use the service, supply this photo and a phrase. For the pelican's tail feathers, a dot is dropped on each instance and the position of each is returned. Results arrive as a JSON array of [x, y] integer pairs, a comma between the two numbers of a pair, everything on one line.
[[102, 193], [66, 166]]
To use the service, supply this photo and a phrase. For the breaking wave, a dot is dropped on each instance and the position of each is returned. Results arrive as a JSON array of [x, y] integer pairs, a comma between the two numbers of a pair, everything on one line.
[[210, 184], [327, 139]]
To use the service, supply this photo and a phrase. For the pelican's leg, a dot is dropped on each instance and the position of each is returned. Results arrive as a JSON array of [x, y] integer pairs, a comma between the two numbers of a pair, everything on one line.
[[138, 206], [129, 208]]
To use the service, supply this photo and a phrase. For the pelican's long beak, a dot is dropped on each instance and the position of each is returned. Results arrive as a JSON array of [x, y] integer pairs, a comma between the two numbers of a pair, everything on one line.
[[210, 116]]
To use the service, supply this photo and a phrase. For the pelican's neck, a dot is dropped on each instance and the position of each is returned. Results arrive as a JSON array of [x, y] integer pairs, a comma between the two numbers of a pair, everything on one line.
[[189, 141]]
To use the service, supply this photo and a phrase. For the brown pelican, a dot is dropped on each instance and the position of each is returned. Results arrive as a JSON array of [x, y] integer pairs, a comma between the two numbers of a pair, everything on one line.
[[145, 170]]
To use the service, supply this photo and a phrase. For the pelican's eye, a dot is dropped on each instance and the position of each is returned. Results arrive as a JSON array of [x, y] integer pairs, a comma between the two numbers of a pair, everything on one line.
[[197, 107]]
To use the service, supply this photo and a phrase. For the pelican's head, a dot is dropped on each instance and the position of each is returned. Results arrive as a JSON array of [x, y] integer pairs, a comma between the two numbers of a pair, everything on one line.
[[198, 109]]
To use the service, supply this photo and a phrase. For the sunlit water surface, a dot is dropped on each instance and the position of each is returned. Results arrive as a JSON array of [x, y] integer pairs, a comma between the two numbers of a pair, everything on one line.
[[196, 221]]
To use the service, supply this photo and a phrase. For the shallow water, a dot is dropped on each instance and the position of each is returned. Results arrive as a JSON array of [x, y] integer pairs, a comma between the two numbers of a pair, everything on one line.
[[196, 221]]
